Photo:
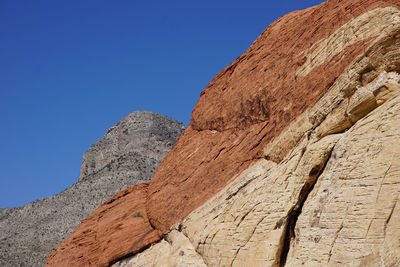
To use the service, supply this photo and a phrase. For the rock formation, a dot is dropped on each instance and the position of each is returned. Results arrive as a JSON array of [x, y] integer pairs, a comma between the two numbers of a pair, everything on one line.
[[141, 132], [292, 156], [126, 155]]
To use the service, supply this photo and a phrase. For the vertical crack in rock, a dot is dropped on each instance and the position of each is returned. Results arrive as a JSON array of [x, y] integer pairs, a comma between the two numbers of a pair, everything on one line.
[[334, 241], [383, 179], [247, 241], [390, 215], [295, 211]]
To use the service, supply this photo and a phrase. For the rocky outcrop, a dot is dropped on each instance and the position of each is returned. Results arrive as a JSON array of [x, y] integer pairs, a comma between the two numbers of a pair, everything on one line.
[[290, 157], [174, 250], [246, 106], [108, 231], [330, 202], [131, 151], [141, 132]]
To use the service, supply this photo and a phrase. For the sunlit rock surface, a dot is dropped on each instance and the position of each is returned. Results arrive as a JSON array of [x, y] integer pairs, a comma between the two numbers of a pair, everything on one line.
[[131, 151], [292, 155]]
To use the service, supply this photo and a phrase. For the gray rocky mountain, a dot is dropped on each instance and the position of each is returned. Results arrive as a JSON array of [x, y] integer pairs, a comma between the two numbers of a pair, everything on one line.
[[126, 155]]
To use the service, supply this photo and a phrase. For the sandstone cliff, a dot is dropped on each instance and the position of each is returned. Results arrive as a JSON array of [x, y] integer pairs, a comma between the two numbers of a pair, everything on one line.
[[292, 156], [130, 152]]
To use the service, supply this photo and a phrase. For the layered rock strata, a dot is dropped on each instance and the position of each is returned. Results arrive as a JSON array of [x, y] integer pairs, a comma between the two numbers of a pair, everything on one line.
[[291, 157], [130, 152]]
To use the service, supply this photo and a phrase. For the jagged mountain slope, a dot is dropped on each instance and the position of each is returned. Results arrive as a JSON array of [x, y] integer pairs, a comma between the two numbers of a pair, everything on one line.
[[291, 157], [126, 155]]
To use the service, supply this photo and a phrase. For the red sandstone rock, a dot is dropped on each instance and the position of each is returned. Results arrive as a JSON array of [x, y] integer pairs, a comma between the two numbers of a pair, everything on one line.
[[243, 108], [248, 104], [112, 231]]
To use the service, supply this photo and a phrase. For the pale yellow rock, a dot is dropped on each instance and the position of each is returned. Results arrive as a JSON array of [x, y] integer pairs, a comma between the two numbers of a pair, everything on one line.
[[246, 229], [173, 251], [353, 215], [377, 22], [332, 200], [346, 219], [381, 57], [373, 94], [337, 121]]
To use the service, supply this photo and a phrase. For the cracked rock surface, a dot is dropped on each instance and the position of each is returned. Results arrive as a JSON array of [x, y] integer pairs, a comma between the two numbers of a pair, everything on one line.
[[333, 201], [292, 152], [174, 250], [128, 154], [107, 233], [353, 214]]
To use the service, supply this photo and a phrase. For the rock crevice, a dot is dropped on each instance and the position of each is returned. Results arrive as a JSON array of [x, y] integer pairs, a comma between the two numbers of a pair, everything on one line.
[[280, 163], [294, 213]]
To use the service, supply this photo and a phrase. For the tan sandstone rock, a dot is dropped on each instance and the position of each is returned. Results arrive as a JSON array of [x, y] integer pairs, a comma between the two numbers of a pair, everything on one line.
[[263, 93], [352, 217], [312, 106], [174, 250]]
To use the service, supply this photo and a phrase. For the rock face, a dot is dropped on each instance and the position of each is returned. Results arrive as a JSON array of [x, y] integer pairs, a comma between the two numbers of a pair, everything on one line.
[[330, 202], [174, 250], [128, 154], [290, 66], [109, 230], [292, 155], [141, 132]]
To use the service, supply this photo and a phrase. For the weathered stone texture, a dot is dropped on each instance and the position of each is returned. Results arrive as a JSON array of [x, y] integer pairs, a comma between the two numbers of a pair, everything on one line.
[[348, 217], [331, 202], [140, 132], [174, 250], [271, 132], [106, 235], [247, 105], [29, 234], [351, 216]]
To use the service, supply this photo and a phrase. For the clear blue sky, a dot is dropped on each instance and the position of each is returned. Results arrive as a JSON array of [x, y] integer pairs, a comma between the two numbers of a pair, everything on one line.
[[69, 70]]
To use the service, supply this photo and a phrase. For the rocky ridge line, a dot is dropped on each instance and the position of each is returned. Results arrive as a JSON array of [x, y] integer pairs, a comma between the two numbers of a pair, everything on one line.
[[130, 153], [261, 128]]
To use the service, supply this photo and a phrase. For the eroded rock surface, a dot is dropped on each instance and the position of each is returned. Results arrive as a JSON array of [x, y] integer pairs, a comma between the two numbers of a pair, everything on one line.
[[332, 201], [138, 144], [248, 182], [140, 132], [329, 202], [174, 250], [352, 215], [294, 62], [106, 234]]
